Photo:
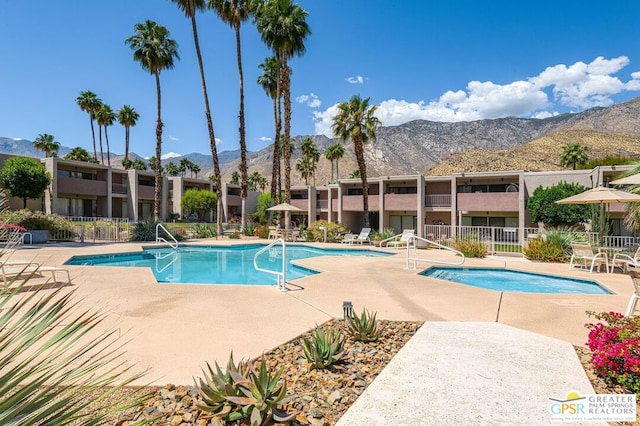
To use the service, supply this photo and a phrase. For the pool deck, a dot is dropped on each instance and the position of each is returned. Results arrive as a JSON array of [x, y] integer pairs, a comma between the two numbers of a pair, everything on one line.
[[175, 329]]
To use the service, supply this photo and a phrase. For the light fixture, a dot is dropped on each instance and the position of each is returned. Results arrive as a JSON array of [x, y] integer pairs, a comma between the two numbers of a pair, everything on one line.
[[347, 309]]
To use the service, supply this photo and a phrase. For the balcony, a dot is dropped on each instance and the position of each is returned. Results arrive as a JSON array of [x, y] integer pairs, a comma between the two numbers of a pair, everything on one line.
[[67, 185], [146, 192], [437, 200], [119, 188], [322, 204], [301, 203], [489, 201], [234, 200], [354, 203], [400, 201]]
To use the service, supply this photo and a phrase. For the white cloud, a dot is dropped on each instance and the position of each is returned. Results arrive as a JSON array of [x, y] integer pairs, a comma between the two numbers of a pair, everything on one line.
[[169, 155], [18, 139], [311, 100], [577, 86], [358, 79], [265, 139], [218, 141], [173, 138]]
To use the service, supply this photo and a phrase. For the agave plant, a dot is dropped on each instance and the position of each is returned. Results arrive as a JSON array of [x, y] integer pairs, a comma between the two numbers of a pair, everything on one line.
[[241, 393], [364, 328], [325, 348], [51, 356]]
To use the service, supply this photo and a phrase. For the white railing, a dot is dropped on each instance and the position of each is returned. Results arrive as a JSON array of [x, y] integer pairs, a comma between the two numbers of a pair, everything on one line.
[[282, 275], [411, 246], [160, 239]]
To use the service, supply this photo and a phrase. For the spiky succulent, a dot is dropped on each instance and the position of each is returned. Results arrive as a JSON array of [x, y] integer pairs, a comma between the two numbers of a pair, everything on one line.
[[242, 393], [364, 328], [325, 347]]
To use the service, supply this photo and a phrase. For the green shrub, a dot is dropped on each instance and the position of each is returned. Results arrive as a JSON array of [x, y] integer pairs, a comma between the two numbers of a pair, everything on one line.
[[325, 347], [235, 235], [205, 230], [334, 231], [364, 328], [542, 205], [250, 230], [563, 236], [242, 394], [262, 232], [379, 236], [541, 250], [145, 230], [37, 220], [471, 248]]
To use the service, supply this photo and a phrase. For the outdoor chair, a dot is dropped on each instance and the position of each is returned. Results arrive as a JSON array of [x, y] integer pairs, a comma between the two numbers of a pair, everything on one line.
[[29, 268], [349, 238], [633, 301], [623, 261], [584, 254], [363, 238], [399, 241]]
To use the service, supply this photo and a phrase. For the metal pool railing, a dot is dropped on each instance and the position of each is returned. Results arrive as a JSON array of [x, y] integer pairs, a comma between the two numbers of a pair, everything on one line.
[[282, 275]]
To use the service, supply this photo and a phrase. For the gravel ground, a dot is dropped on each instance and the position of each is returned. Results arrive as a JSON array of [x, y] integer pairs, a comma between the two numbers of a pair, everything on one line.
[[319, 397]]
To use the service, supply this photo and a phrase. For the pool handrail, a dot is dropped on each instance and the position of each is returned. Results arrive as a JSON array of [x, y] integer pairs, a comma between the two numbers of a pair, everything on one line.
[[281, 276], [411, 245], [160, 256], [160, 239]]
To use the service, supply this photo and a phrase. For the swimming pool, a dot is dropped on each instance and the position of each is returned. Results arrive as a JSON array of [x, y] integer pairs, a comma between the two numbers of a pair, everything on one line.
[[515, 281], [218, 264]]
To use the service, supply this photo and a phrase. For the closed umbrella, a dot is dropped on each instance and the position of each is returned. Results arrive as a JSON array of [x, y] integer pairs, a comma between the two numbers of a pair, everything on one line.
[[601, 195]]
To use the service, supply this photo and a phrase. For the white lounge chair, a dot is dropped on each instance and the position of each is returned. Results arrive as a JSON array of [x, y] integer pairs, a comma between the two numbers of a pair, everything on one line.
[[584, 253], [623, 261], [363, 238], [633, 301], [399, 241], [349, 239], [31, 268]]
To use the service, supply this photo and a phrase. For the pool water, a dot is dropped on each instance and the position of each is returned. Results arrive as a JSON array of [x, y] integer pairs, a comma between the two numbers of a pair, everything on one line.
[[218, 264], [515, 281]]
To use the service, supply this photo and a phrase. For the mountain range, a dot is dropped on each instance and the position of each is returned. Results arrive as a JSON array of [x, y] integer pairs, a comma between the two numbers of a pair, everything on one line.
[[427, 147]]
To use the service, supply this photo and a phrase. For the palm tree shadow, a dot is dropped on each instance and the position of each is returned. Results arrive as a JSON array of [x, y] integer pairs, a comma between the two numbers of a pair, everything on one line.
[[47, 285]]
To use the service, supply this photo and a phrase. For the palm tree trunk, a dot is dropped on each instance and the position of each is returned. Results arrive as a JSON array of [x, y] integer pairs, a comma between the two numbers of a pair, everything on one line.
[[106, 136], [212, 137], [243, 143], [100, 138], [275, 171], [287, 132], [126, 143], [158, 175], [93, 136], [359, 151]]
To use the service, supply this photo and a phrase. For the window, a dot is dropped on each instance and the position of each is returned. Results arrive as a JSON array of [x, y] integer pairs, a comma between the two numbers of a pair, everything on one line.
[[402, 190]]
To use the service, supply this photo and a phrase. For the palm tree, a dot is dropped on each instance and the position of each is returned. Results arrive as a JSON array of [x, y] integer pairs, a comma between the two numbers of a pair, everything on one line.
[[256, 180], [46, 143], [305, 167], [172, 169], [156, 52], [356, 121], [334, 153], [269, 80], [106, 117], [128, 117], [282, 26], [311, 155], [89, 102], [234, 12], [139, 165], [235, 178], [195, 169], [573, 154], [79, 154], [355, 174], [190, 7]]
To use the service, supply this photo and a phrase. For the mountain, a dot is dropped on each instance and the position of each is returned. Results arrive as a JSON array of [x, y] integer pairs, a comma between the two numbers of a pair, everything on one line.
[[417, 147], [24, 147]]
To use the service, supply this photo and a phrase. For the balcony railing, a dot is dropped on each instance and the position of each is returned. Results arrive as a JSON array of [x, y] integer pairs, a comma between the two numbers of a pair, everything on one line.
[[119, 188], [437, 200]]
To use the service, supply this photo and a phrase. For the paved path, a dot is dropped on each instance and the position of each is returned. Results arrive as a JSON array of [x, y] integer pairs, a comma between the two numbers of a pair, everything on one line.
[[471, 373]]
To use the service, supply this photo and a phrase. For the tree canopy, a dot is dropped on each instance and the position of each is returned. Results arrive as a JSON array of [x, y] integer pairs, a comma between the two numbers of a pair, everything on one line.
[[199, 202], [542, 205], [25, 178]]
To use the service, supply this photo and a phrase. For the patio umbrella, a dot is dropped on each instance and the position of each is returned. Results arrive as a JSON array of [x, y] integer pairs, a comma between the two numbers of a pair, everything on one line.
[[601, 195], [629, 180], [286, 208]]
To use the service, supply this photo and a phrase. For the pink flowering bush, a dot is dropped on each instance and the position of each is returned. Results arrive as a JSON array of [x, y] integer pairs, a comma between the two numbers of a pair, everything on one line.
[[614, 346]]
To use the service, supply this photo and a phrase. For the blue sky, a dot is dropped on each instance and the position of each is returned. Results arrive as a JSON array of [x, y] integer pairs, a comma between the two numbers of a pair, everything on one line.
[[441, 61]]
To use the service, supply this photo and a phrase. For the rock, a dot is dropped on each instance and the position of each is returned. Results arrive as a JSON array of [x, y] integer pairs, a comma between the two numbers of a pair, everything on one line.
[[315, 413], [334, 397], [176, 420]]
